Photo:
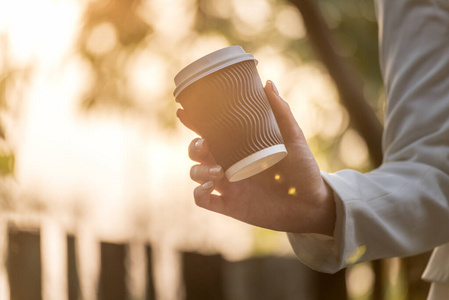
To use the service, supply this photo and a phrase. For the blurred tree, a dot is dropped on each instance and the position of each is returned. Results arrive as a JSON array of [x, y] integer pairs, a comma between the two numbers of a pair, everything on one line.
[[112, 32], [350, 88]]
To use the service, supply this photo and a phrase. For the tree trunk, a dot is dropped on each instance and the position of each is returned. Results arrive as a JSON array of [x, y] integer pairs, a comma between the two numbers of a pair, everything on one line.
[[346, 80], [350, 89]]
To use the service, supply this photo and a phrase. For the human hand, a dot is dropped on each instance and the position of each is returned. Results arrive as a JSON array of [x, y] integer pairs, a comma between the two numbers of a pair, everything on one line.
[[290, 196]]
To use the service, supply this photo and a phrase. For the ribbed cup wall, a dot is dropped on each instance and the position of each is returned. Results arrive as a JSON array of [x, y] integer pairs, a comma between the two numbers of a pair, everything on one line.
[[230, 110]]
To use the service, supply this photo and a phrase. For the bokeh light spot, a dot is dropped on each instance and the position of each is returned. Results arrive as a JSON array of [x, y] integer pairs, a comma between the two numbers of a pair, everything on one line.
[[102, 39], [289, 23], [217, 8], [292, 191], [360, 281], [353, 150]]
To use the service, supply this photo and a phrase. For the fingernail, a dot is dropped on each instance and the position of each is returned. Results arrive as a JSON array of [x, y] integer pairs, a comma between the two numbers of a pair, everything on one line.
[[215, 170], [199, 143], [274, 88], [208, 185]]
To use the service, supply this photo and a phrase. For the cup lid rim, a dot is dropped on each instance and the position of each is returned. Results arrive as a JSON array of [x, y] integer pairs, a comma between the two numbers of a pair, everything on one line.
[[209, 64]]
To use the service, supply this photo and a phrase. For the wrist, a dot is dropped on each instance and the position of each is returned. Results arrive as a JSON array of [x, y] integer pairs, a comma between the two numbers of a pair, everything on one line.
[[319, 212], [326, 210]]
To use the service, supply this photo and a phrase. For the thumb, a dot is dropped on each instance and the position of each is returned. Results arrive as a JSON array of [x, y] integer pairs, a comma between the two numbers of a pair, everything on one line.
[[290, 130]]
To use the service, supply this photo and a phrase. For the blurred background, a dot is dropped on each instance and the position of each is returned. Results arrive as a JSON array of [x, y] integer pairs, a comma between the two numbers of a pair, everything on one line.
[[95, 193]]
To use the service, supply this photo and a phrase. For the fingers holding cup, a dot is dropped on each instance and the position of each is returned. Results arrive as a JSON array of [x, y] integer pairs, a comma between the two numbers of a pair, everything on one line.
[[223, 100], [206, 173], [199, 152]]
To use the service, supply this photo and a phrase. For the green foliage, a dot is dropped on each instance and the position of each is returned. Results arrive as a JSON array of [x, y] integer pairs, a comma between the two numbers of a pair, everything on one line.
[[7, 158], [7, 162], [355, 30]]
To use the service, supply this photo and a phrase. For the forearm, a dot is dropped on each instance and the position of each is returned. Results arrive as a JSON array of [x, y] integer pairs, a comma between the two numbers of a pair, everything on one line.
[[401, 208]]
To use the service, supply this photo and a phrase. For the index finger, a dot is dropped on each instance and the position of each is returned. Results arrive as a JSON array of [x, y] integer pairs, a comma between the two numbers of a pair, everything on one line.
[[199, 152]]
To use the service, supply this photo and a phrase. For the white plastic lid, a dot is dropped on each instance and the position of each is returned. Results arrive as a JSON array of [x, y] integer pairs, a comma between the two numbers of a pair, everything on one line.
[[208, 64], [256, 163]]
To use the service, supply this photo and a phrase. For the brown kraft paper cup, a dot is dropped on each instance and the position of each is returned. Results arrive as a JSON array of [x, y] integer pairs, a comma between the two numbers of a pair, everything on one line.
[[223, 97]]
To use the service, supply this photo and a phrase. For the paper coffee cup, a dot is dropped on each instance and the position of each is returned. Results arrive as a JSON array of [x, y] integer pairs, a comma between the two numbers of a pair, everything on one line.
[[223, 97]]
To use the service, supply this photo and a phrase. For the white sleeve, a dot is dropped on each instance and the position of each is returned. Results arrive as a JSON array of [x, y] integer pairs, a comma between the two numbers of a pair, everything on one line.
[[401, 208]]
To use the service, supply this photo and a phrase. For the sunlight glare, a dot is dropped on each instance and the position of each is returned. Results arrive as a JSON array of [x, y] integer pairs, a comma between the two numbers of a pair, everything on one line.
[[148, 78], [41, 29]]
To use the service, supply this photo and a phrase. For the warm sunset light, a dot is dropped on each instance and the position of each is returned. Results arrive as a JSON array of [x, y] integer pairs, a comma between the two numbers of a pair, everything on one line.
[[89, 119]]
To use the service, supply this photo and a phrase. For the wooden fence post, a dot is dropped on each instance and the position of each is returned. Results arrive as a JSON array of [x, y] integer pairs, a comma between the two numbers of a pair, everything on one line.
[[271, 277], [414, 266], [150, 290], [203, 276], [259, 278], [112, 284], [332, 286], [73, 283], [24, 265]]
